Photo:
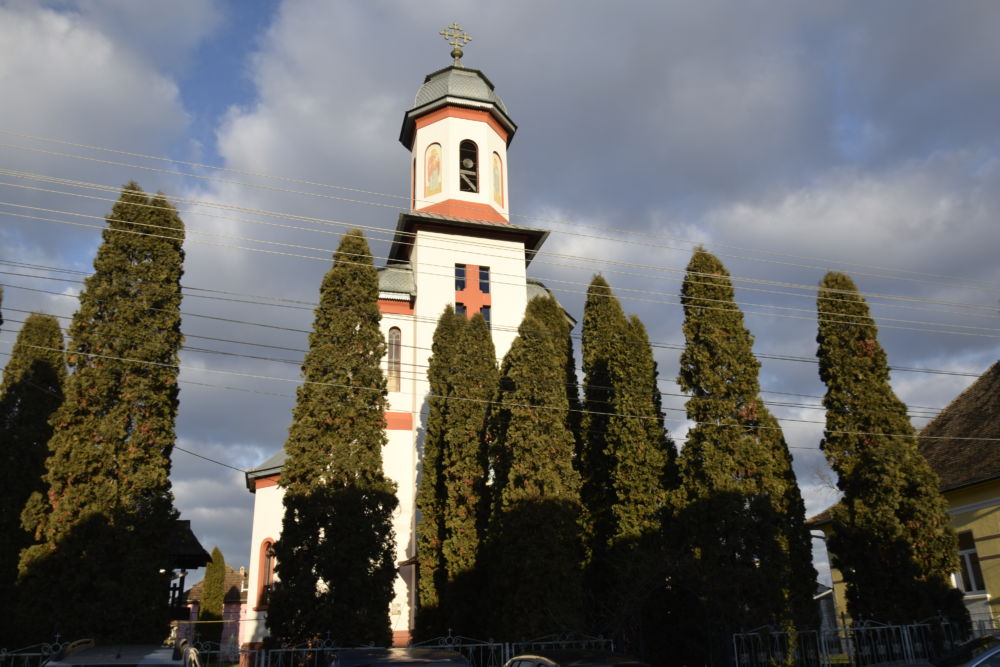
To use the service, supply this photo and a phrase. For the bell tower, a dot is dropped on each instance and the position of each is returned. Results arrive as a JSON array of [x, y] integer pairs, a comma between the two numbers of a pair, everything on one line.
[[457, 133]]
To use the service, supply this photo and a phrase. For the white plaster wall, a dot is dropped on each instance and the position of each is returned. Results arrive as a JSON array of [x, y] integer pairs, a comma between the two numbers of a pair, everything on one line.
[[450, 132], [267, 514]]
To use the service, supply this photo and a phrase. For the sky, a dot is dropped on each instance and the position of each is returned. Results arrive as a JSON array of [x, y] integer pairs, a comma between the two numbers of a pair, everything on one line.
[[788, 138]]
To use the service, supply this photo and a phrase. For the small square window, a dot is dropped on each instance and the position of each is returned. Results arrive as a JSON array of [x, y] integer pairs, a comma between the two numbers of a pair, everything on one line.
[[460, 308]]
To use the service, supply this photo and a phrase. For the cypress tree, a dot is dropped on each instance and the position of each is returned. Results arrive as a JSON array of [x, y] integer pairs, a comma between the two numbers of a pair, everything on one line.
[[32, 389], [213, 594], [535, 551], [891, 539], [335, 557], [626, 461], [738, 511], [452, 494], [108, 503]]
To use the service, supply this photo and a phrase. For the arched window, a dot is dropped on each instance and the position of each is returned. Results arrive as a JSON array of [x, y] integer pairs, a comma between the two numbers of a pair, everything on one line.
[[432, 170], [468, 166], [394, 342], [265, 577], [497, 179]]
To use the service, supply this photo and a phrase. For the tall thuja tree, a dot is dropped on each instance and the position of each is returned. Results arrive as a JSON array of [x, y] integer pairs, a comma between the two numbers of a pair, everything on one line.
[[452, 493], [737, 490], [625, 461], [891, 539], [108, 501], [335, 557], [431, 496], [552, 315], [213, 595], [32, 389], [534, 552]]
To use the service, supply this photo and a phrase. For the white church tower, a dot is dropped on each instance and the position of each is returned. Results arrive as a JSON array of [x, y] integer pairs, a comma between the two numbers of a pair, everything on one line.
[[455, 246]]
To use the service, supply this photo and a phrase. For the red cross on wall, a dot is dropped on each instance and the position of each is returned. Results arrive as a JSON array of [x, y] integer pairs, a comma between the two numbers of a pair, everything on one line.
[[472, 297]]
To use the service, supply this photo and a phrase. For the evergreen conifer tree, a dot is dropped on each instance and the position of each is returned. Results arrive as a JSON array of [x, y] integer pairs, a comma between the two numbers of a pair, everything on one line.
[[335, 556], [108, 505], [534, 552], [213, 594], [741, 513], [452, 495], [625, 460], [32, 389], [891, 538]]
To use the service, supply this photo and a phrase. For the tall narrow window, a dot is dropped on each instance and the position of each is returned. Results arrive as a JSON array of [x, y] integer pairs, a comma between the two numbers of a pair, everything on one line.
[[265, 580], [392, 377], [484, 279], [432, 170], [485, 312], [970, 574], [459, 277], [468, 167], [497, 180]]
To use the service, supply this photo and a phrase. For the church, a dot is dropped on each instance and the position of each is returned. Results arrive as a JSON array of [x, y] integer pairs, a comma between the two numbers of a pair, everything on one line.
[[454, 246]]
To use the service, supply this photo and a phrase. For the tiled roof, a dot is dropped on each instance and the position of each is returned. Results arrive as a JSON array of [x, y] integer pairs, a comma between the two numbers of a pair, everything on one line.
[[397, 278], [235, 585], [954, 441]]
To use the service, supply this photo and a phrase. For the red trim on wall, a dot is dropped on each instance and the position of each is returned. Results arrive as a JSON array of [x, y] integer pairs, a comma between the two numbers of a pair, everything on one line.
[[401, 638], [456, 208], [465, 114], [264, 482], [392, 307], [472, 297], [399, 421]]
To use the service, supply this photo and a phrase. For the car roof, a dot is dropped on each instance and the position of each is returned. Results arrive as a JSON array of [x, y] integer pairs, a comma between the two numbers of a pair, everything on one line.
[[578, 658], [119, 654], [359, 657]]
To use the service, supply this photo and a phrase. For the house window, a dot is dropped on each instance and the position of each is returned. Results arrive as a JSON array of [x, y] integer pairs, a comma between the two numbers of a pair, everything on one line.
[[460, 308], [970, 575], [484, 279], [459, 277], [393, 379], [485, 312], [266, 577], [468, 167]]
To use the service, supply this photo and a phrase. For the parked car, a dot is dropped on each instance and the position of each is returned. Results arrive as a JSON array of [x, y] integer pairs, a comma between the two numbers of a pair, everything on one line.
[[572, 658], [408, 657], [84, 653]]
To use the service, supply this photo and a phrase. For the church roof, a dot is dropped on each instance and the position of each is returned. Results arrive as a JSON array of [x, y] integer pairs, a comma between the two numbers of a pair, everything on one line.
[[402, 242], [397, 278], [456, 86], [955, 442]]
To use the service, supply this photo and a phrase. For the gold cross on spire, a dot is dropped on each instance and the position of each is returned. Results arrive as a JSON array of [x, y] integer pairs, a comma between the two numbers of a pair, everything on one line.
[[458, 38]]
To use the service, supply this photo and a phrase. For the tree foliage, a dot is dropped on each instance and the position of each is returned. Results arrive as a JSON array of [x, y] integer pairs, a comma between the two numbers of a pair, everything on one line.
[[108, 503], [32, 389], [740, 509], [891, 539], [452, 494], [534, 553], [213, 595], [335, 557], [625, 459]]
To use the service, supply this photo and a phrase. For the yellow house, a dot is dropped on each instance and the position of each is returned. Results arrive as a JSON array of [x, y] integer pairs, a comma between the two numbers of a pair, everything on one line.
[[962, 444]]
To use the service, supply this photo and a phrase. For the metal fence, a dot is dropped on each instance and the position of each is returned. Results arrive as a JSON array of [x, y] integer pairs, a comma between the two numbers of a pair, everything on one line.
[[862, 644], [30, 656]]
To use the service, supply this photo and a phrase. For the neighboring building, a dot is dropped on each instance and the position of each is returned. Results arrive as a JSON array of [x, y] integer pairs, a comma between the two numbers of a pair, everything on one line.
[[455, 246], [234, 603], [962, 444]]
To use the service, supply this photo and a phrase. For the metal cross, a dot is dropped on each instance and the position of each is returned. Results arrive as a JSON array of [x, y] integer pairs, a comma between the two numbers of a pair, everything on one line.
[[458, 38]]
